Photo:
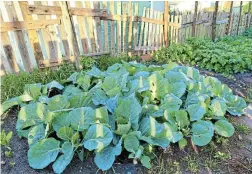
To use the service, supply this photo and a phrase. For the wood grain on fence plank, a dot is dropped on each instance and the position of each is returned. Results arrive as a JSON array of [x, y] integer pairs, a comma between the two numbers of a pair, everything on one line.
[[112, 28], [91, 29], [16, 37], [105, 24], [119, 28], [97, 27], [43, 10], [146, 29], [239, 20], [130, 24], [141, 37], [124, 8], [68, 25]]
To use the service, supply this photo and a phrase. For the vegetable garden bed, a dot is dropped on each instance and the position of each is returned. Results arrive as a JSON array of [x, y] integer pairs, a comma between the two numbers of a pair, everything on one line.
[[130, 102]]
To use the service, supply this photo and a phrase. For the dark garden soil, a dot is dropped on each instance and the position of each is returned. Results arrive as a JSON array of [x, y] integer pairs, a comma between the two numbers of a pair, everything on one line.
[[232, 156]]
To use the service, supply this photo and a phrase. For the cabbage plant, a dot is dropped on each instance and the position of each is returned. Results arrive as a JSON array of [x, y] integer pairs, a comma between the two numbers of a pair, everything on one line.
[[129, 107]]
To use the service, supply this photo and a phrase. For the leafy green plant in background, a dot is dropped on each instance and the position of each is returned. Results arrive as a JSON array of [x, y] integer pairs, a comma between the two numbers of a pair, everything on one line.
[[228, 55], [129, 107]]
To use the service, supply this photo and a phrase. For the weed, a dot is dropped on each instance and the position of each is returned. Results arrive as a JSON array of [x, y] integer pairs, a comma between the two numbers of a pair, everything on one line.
[[242, 128], [5, 138], [192, 164], [222, 156], [8, 154], [12, 164]]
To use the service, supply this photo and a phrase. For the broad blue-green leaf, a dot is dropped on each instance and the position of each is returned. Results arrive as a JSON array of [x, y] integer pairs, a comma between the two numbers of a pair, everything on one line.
[[111, 103], [218, 106], [171, 102], [105, 158], [65, 133], [99, 97], [150, 127], [129, 109], [224, 128], [14, 101], [98, 136], [71, 90], [158, 86], [111, 86], [43, 153], [54, 84], [172, 132], [193, 98], [196, 111], [34, 90], [58, 102], [138, 85], [145, 160], [63, 160], [101, 114], [61, 119], [44, 99], [31, 114], [80, 100], [174, 77], [131, 143], [84, 82], [202, 132], [189, 72], [95, 72], [235, 105], [182, 119], [177, 88], [73, 77], [123, 129], [82, 118], [153, 110], [36, 134]]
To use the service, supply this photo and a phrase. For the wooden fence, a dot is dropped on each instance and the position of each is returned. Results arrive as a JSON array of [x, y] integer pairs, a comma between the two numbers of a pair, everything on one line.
[[44, 34]]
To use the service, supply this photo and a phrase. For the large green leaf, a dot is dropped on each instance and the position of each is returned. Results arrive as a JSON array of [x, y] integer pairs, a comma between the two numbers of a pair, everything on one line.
[[65, 133], [80, 100], [129, 110], [105, 158], [196, 111], [61, 119], [172, 133], [32, 114], [43, 153], [83, 81], [182, 119], [58, 102], [202, 132], [218, 106], [235, 105], [101, 114], [36, 134], [131, 143], [34, 90], [111, 86], [158, 86], [224, 128], [63, 160], [171, 102], [98, 136], [82, 118]]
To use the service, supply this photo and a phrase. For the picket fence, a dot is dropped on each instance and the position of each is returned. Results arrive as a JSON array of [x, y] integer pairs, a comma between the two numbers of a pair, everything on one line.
[[43, 34]]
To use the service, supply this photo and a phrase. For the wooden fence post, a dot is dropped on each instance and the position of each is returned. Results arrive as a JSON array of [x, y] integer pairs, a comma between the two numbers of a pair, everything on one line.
[[214, 20], [248, 15], [239, 20], [229, 18], [194, 19], [166, 24], [71, 36]]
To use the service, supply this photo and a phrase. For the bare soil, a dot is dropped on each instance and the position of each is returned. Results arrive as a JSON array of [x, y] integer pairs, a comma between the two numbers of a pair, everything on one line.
[[171, 160]]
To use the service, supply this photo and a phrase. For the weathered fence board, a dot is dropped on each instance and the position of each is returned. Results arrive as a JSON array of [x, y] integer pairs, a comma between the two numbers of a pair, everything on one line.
[[43, 34]]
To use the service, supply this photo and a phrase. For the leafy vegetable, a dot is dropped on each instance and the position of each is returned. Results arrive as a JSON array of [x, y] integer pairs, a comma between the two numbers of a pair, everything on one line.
[[129, 107]]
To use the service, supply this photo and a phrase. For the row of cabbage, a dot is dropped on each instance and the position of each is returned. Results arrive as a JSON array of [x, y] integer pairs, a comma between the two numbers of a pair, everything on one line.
[[129, 107]]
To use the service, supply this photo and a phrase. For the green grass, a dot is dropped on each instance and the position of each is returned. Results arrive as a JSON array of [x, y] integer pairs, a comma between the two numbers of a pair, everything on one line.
[[12, 84], [242, 128]]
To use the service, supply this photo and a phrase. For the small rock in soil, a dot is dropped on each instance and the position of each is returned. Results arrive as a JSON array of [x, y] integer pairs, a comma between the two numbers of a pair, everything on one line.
[[239, 137], [2, 162]]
